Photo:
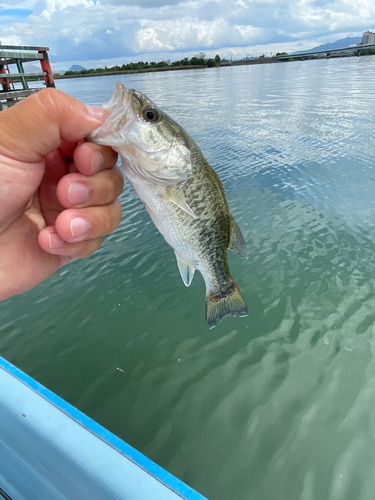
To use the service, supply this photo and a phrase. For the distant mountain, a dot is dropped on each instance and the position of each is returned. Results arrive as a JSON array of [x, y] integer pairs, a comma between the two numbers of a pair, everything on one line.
[[339, 44], [76, 67]]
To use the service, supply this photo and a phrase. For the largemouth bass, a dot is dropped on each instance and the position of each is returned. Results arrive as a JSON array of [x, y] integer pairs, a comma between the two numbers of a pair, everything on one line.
[[182, 193]]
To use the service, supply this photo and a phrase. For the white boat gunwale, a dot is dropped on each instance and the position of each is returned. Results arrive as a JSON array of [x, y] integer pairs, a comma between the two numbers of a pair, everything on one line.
[[147, 465]]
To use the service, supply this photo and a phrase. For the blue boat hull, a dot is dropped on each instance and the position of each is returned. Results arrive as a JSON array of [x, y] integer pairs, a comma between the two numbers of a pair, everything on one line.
[[50, 450]]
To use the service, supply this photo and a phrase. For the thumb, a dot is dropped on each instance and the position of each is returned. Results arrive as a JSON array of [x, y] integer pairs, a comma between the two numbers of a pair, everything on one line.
[[34, 127]]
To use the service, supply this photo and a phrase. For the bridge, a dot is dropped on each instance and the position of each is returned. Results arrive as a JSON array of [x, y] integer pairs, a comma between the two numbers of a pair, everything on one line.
[[328, 52]]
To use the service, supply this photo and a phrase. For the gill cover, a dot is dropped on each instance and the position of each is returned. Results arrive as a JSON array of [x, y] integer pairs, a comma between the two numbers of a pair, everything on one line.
[[154, 149]]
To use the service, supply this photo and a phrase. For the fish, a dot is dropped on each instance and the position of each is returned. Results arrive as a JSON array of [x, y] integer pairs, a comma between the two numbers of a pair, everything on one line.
[[182, 193]]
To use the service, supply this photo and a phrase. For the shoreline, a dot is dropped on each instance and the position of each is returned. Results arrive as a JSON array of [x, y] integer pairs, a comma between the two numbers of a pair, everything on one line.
[[130, 71], [249, 62], [266, 60]]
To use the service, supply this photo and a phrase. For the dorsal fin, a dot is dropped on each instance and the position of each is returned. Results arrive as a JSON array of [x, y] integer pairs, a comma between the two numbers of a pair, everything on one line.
[[237, 242]]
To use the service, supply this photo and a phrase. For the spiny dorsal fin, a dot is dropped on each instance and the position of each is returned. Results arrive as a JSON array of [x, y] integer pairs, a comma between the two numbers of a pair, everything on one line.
[[237, 242], [186, 270], [176, 197]]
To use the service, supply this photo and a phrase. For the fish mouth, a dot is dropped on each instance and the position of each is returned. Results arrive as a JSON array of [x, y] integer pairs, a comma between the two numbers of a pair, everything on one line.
[[120, 98], [114, 130]]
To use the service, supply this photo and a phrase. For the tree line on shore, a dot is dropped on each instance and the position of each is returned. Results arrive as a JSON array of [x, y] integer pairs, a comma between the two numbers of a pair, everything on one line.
[[198, 60]]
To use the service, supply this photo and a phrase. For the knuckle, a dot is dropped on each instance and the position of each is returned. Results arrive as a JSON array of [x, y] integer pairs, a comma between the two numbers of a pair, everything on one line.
[[109, 186], [118, 212], [114, 217], [85, 249]]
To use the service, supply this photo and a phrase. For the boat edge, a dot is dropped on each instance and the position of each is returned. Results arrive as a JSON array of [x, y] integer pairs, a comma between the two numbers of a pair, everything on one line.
[[136, 457]]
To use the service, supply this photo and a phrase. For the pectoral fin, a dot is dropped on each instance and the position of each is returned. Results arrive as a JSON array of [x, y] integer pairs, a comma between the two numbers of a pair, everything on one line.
[[186, 270], [176, 197], [237, 242]]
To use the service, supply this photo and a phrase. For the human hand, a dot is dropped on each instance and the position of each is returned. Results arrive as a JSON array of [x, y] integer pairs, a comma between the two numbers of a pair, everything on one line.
[[58, 193]]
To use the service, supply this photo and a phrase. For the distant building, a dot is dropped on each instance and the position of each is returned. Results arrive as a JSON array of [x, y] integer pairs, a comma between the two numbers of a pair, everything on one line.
[[225, 62], [368, 38]]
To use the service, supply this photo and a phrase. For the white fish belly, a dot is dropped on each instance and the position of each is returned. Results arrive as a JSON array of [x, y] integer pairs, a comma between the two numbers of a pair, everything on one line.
[[169, 219]]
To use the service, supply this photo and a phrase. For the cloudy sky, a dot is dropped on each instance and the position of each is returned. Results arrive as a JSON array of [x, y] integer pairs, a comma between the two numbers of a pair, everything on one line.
[[95, 33]]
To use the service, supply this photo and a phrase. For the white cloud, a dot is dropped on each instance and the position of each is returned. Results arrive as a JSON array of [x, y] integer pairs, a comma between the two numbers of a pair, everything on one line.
[[98, 30], [190, 33], [149, 40], [19, 4], [48, 7]]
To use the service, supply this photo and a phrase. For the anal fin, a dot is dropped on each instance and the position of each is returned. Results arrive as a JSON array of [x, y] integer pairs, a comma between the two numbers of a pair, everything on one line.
[[186, 270], [237, 242]]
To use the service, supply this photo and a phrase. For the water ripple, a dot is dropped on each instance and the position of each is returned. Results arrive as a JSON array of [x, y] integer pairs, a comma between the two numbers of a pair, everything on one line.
[[276, 405]]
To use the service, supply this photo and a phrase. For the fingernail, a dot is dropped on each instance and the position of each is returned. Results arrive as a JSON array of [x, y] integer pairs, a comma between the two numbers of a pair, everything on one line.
[[78, 193], [78, 227], [98, 113], [55, 241], [97, 160]]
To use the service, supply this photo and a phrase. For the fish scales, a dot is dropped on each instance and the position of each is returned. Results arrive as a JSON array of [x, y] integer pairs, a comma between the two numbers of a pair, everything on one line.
[[182, 193], [203, 192]]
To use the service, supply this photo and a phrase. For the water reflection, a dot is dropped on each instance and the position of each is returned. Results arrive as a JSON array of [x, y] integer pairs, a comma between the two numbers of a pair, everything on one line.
[[276, 405]]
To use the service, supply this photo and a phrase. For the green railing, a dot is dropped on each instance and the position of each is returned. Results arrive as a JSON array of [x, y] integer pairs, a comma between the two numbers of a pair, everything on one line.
[[13, 54]]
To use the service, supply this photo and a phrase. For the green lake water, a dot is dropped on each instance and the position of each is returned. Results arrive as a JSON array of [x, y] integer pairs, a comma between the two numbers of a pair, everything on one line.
[[277, 405]]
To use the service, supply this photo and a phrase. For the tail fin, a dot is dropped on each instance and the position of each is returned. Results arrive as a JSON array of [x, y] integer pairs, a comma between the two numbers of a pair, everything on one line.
[[224, 303]]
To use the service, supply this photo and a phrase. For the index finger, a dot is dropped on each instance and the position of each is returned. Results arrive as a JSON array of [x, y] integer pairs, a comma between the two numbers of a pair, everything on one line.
[[59, 117]]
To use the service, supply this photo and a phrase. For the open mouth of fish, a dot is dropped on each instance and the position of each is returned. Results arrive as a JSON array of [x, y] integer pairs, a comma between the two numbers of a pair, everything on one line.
[[115, 125]]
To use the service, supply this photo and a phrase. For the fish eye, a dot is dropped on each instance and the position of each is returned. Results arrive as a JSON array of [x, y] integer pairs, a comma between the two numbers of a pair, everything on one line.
[[151, 115]]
